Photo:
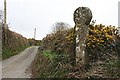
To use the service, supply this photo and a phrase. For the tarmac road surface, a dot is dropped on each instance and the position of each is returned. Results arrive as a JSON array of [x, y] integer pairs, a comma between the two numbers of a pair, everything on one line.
[[16, 66]]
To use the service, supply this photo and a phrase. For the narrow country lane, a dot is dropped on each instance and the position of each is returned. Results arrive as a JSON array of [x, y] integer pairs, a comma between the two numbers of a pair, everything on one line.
[[16, 66]]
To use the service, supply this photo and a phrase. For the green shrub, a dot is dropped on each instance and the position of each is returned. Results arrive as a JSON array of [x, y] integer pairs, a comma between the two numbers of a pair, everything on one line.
[[54, 68], [49, 54]]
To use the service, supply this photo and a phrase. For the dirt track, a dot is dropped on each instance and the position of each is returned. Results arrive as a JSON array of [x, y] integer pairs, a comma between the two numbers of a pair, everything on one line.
[[16, 66]]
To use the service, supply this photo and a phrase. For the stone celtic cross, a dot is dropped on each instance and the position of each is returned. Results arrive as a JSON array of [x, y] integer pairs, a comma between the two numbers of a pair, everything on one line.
[[82, 18]]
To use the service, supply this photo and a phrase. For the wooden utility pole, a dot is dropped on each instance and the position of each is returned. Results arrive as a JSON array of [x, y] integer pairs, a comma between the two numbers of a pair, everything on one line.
[[5, 14], [34, 33], [5, 24], [119, 18]]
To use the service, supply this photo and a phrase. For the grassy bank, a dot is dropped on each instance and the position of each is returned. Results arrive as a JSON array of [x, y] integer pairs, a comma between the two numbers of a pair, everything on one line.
[[56, 55], [7, 52], [12, 43], [50, 65]]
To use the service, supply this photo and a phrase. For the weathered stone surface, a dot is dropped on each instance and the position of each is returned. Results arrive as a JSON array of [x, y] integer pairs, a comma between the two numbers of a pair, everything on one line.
[[82, 15], [82, 18]]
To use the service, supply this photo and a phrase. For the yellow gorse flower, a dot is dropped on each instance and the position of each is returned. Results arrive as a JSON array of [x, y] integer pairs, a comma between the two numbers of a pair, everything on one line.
[[100, 35]]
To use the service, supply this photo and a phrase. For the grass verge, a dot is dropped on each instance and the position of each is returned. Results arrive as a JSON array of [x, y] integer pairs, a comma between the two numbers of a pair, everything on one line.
[[50, 65], [7, 52]]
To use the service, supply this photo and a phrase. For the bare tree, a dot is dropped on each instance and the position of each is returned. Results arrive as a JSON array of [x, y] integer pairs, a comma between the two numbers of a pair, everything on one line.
[[60, 26]]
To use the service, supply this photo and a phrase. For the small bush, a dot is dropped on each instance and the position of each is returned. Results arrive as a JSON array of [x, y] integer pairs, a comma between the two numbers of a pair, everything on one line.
[[101, 42], [49, 54]]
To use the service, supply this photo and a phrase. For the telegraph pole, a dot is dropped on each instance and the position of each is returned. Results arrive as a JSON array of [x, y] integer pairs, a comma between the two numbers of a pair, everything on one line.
[[5, 14], [119, 18], [5, 23], [34, 33]]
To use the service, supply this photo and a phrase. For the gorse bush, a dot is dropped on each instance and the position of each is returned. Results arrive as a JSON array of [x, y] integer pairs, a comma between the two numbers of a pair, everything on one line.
[[60, 41], [57, 48], [100, 42], [101, 36]]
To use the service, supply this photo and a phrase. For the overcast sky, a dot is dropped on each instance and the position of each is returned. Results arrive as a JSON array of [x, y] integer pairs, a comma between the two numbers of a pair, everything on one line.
[[25, 15]]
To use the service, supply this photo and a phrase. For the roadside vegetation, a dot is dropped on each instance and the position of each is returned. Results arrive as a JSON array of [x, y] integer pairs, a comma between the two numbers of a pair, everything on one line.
[[13, 43], [56, 59]]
